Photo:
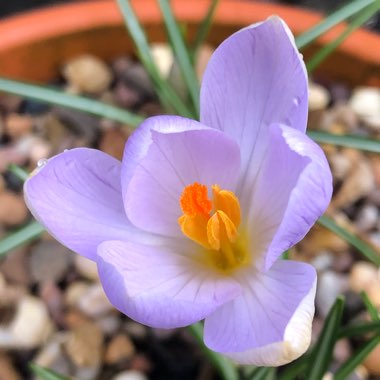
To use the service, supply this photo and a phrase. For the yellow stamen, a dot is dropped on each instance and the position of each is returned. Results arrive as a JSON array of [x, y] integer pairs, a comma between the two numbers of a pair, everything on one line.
[[228, 202], [214, 225]]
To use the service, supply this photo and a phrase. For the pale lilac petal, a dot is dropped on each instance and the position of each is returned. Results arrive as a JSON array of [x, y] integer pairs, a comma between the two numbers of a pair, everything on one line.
[[77, 197], [293, 189], [173, 161], [159, 287], [255, 78], [270, 323]]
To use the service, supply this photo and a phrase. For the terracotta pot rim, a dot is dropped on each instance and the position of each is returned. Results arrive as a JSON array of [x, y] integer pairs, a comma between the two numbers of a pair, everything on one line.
[[43, 24]]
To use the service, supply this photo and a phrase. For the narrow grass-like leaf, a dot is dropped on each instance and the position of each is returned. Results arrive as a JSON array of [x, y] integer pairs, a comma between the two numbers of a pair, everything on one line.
[[261, 373], [181, 52], [349, 141], [18, 172], [23, 235], [225, 367], [293, 370], [358, 329], [321, 354], [358, 21], [372, 310], [356, 358], [329, 22], [45, 373], [204, 28], [165, 92], [80, 103], [365, 249]]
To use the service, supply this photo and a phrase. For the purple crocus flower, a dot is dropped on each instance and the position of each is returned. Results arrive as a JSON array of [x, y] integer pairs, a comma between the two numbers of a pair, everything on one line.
[[192, 223]]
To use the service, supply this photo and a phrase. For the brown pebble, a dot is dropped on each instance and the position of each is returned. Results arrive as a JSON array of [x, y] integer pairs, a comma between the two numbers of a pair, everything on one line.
[[121, 64], [18, 125], [11, 155], [8, 371], [373, 292], [86, 267], [112, 142], [13, 210], [51, 294], [10, 103], [39, 150], [362, 275], [375, 164], [3, 185], [141, 363], [151, 109], [342, 262], [49, 261], [137, 77], [15, 266], [342, 350], [85, 345], [372, 361], [320, 239], [74, 319], [126, 96], [88, 74], [56, 132], [357, 184], [119, 349]]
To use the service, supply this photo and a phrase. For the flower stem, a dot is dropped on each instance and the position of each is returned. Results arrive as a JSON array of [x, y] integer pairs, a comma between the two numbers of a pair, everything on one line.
[[225, 367]]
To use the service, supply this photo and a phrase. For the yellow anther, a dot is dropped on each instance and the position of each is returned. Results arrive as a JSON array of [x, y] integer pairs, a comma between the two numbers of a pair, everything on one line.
[[214, 224], [195, 228], [220, 230], [227, 202]]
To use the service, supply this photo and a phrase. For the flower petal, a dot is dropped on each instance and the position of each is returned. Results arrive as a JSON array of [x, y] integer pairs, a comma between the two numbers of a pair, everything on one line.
[[292, 190], [270, 323], [255, 78], [77, 197], [159, 287], [174, 152]]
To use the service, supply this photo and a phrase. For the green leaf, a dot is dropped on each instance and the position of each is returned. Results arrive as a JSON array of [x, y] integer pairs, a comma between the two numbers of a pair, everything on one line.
[[181, 52], [372, 310], [349, 141], [357, 22], [365, 249], [18, 172], [204, 27], [321, 354], [165, 92], [293, 370], [25, 234], [45, 373], [48, 95], [329, 22], [356, 358], [358, 329], [261, 373], [225, 367]]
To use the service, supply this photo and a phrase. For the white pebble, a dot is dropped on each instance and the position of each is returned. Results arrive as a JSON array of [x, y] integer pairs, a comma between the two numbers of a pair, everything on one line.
[[130, 375], [365, 101], [319, 97]]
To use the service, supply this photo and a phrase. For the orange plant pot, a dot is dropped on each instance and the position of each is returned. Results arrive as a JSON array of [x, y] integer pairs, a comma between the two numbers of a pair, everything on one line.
[[34, 45]]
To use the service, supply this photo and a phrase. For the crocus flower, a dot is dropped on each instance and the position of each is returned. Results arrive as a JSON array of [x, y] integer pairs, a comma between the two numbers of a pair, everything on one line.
[[192, 223]]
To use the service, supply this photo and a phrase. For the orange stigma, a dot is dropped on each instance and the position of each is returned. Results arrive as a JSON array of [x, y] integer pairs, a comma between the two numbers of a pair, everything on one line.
[[214, 224], [194, 200]]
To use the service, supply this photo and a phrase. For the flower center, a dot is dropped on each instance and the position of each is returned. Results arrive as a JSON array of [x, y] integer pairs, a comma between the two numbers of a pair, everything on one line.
[[214, 224]]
